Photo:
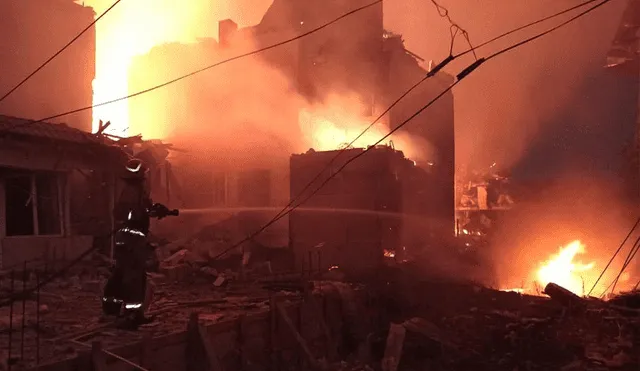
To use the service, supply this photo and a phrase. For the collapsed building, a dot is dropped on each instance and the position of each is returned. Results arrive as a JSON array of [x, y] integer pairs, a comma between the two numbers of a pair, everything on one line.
[[481, 199], [32, 31], [356, 55]]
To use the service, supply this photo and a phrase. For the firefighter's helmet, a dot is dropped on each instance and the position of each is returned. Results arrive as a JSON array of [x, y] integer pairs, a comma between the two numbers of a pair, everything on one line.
[[135, 168]]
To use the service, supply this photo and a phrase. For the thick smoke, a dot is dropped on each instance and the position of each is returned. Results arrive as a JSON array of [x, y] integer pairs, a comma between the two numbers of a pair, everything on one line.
[[503, 107], [534, 105]]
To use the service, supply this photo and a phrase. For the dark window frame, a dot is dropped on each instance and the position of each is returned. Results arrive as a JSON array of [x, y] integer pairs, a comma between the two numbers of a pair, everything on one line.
[[33, 201]]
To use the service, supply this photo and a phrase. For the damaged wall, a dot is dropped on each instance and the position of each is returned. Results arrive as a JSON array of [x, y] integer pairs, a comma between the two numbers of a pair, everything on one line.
[[32, 31]]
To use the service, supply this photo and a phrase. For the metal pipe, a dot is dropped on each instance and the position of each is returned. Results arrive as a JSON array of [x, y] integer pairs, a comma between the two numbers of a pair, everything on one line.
[[24, 308]]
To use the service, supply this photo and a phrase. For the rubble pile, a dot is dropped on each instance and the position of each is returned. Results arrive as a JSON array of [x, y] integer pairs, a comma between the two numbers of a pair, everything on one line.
[[70, 315], [488, 330], [203, 253]]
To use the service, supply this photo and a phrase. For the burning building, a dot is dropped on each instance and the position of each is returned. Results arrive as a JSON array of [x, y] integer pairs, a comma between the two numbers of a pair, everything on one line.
[[32, 31], [245, 117]]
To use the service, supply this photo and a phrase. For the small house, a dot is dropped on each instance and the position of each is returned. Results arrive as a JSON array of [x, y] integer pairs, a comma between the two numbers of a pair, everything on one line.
[[57, 189]]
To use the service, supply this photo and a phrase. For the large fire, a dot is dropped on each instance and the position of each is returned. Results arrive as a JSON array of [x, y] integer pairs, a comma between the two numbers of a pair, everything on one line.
[[132, 28], [562, 269], [333, 127], [565, 269]]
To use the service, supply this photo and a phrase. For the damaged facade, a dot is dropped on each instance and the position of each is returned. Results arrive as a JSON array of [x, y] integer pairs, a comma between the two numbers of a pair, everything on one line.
[[57, 188], [33, 30], [357, 56], [378, 206]]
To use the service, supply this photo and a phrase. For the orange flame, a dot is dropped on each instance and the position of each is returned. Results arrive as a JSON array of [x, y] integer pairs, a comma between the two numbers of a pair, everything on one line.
[[334, 127], [561, 269]]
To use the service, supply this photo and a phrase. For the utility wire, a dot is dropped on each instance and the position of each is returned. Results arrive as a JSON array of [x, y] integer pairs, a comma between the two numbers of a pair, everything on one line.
[[632, 253], [444, 13], [285, 42], [614, 255], [460, 76], [505, 34], [59, 51], [464, 73], [177, 79], [453, 30]]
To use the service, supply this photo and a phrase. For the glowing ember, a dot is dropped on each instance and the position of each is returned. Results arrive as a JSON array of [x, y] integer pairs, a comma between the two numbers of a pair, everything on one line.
[[562, 270], [389, 253]]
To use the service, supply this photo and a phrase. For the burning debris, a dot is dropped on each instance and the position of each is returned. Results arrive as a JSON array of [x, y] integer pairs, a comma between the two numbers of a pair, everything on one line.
[[565, 270], [488, 190]]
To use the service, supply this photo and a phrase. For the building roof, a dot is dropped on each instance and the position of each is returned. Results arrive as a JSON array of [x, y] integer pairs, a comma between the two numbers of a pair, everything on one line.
[[45, 130]]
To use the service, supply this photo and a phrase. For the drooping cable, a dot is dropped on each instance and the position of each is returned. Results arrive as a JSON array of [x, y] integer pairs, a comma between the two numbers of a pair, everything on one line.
[[635, 225], [180, 78], [464, 73], [7, 94]]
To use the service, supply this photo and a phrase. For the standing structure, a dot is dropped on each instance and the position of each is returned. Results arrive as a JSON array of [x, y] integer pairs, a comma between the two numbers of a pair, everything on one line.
[[32, 31], [57, 187], [379, 206]]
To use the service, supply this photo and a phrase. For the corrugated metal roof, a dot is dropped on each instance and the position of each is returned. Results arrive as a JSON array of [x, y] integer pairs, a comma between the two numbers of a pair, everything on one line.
[[61, 132]]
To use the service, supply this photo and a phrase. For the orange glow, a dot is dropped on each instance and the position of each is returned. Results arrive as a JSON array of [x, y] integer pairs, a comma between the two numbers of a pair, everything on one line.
[[389, 253], [131, 29], [561, 269], [337, 123], [564, 268]]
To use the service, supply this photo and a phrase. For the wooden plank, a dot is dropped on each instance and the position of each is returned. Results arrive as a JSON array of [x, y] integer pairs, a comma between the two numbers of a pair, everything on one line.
[[98, 358], [330, 343], [301, 342], [273, 330], [393, 351], [212, 356], [198, 339]]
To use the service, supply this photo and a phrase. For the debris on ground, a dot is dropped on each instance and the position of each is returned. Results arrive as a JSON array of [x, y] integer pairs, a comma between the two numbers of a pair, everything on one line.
[[492, 330]]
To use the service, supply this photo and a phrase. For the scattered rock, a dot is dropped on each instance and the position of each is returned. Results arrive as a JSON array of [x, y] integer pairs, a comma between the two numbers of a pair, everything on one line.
[[220, 281]]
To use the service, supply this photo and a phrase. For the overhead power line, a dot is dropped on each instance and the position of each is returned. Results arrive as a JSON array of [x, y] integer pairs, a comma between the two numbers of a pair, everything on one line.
[[541, 20], [445, 62], [455, 27], [59, 52], [177, 79], [464, 73], [460, 76], [614, 255], [377, 119]]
